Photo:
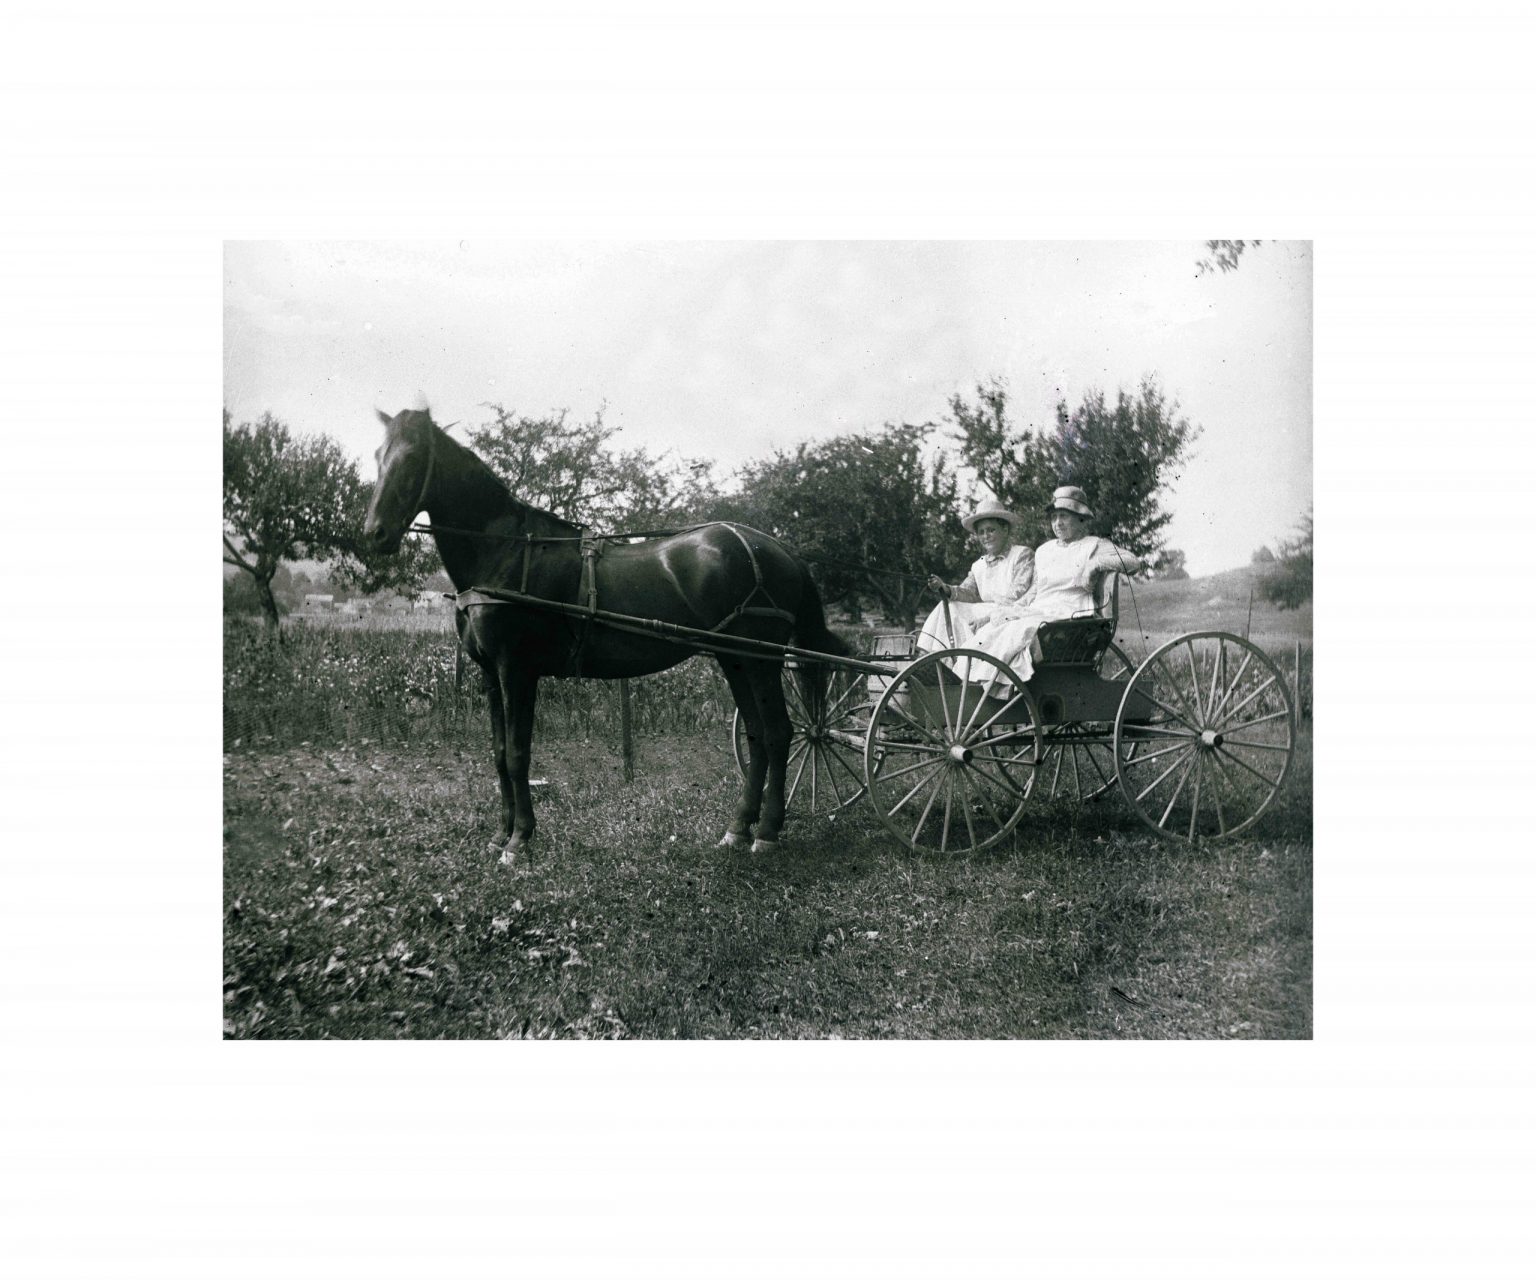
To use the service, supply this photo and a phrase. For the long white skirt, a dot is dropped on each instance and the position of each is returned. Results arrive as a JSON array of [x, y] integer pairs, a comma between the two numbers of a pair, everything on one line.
[[1002, 631]]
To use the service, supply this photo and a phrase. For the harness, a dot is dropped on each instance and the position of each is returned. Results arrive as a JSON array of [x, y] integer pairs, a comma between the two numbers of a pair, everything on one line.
[[758, 602]]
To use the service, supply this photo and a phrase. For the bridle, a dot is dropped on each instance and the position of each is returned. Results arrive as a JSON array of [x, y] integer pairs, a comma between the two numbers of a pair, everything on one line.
[[426, 476]]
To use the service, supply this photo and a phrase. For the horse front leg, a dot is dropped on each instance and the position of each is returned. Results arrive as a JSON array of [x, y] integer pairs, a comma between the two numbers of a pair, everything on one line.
[[499, 749], [519, 693]]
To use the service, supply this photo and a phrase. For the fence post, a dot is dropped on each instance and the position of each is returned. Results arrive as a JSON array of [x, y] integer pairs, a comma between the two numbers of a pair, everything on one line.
[[625, 731]]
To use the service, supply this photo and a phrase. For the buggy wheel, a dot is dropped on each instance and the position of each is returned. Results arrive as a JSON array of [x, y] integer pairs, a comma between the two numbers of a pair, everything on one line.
[[824, 774], [1213, 727], [953, 746], [1079, 760]]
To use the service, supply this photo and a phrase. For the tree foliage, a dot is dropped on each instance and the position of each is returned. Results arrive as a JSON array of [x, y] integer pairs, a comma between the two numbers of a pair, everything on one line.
[[1290, 584], [573, 470], [1123, 455], [1223, 255], [867, 511], [294, 497]]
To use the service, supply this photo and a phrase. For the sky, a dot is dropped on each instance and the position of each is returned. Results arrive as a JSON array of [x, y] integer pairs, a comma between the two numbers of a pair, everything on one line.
[[729, 350]]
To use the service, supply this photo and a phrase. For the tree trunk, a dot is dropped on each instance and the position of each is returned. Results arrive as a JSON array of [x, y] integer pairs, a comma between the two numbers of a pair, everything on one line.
[[268, 604]]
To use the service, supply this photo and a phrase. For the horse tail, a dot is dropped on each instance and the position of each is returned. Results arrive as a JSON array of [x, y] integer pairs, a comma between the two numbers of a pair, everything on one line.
[[811, 632]]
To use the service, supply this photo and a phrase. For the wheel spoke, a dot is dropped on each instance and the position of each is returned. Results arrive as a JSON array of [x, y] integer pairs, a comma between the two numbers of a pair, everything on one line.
[[1000, 777], [939, 670], [1178, 694], [835, 710], [1173, 799], [922, 782], [986, 798], [1271, 783], [1172, 711], [1227, 740], [1142, 795], [1249, 699], [1194, 804], [1157, 755], [1230, 729], [916, 748], [921, 728], [949, 795], [939, 780], [966, 804], [804, 752], [993, 718], [1194, 676], [1232, 685]]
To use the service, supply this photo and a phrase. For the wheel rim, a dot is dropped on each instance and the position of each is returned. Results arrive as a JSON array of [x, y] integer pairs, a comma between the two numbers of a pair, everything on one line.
[[950, 763], [823, 774], [1211, 724]]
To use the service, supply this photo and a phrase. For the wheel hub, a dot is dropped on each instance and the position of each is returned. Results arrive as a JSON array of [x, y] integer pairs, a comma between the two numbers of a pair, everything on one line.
[[1210, 739], [960, 754]]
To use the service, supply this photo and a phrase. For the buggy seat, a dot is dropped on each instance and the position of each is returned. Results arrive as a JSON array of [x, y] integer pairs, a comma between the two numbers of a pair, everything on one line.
[[1080, 641]]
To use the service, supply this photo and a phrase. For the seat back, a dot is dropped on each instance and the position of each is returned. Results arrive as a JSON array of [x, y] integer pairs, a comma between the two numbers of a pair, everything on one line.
[[1081, 641]]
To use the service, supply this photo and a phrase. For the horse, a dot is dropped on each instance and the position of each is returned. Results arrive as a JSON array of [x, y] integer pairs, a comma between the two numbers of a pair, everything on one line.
[[728, 579]]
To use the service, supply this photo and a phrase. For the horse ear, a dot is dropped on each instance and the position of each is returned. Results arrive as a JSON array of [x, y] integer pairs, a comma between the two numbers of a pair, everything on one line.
[[383, 417]]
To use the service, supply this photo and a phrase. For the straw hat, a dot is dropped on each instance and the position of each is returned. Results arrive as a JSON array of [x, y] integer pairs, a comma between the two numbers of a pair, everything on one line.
[[1070, 498], [991, 509]]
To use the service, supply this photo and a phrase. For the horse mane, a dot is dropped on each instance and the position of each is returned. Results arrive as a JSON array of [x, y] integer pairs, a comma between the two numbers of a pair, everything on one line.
[[479, 467]]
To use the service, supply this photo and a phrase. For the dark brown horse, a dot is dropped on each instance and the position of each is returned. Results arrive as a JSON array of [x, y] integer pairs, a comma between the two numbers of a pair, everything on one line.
[[723, 578]]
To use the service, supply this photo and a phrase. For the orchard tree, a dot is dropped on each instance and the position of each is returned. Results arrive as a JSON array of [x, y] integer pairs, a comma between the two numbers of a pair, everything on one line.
[[869, 514], [295, 497], [1223, 255], [1123, 455], [573, 470], [1290, 584]]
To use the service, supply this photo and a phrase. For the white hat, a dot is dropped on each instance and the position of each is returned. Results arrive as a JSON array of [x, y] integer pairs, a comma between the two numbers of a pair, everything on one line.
[[991, 509], [1070, 498]]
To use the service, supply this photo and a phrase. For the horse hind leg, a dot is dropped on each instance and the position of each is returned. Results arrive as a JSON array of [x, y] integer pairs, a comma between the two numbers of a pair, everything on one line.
[[740, 830], [768, 686]]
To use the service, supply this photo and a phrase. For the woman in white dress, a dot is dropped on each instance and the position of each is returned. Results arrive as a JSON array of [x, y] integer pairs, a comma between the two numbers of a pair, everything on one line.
[[1001, 577], [1063, 579]]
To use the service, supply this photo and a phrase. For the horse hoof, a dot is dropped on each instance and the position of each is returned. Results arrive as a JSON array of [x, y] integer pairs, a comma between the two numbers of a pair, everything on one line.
[[764, 846], [731, 840]]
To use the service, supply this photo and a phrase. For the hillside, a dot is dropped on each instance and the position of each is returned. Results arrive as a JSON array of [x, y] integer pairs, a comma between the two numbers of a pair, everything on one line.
[[1219, 602]]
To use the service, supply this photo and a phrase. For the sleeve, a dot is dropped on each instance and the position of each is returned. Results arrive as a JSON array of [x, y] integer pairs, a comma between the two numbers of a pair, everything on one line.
[[1106, 556], [966, 592], [1022, 577]]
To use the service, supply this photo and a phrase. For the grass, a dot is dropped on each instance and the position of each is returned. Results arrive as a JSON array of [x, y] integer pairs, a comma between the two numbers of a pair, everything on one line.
[[363, 899]]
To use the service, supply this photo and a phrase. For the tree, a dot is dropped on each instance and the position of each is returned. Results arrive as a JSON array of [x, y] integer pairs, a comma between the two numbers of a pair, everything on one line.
[[1224, 255], [1120, 454], [1290, 585], [292, 497], [1170, 567], [872, 517], [571, 469], [1262, 556]]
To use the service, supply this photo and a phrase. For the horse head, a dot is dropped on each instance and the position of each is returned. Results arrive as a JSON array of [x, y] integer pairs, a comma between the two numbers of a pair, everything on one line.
[[405, 476]]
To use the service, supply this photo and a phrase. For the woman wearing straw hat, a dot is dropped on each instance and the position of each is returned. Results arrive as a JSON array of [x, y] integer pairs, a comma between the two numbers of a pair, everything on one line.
[[1002, 576], [1064, 573]]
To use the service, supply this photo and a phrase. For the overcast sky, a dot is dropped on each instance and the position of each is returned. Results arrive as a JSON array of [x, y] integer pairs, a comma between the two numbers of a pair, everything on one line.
[[730, 349]]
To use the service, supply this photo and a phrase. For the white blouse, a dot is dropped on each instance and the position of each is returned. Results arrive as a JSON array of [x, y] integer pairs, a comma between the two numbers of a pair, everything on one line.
[[1003, 579]]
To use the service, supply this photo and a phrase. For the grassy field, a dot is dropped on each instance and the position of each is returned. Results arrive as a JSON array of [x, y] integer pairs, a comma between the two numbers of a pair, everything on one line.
[[363, 898]]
